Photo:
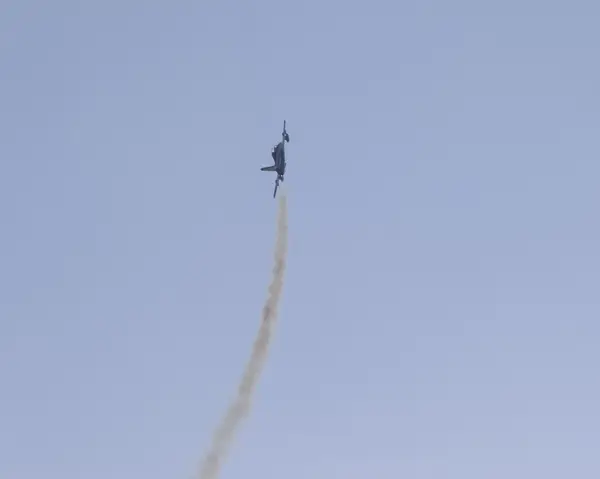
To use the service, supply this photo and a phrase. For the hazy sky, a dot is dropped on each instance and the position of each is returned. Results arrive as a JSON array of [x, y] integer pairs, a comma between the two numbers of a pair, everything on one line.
[[441, 314]]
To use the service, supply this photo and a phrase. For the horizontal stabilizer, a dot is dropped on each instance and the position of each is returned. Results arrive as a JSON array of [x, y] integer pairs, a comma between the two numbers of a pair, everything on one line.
[[268, 168]]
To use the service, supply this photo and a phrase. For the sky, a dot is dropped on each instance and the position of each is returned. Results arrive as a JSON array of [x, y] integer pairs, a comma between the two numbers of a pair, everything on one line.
[[437, 318]]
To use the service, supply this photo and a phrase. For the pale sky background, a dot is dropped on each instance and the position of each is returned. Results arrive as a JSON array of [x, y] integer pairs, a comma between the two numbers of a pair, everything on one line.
[[441, 315]]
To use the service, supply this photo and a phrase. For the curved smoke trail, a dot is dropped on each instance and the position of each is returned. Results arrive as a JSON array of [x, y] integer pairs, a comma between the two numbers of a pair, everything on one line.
[[239, 409]]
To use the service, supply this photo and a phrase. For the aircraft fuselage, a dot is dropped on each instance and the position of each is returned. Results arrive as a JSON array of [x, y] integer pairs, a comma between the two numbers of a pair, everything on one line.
[[280, 159]]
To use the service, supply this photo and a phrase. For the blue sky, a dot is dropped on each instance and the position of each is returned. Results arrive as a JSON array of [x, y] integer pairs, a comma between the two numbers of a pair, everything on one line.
[[440, 312]]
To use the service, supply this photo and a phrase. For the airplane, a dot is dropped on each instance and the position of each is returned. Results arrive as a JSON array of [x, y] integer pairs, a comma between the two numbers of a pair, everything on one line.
[[278, 155]]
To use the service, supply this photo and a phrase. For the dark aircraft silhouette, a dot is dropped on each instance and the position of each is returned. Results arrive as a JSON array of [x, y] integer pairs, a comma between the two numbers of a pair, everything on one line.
[[278, 154]]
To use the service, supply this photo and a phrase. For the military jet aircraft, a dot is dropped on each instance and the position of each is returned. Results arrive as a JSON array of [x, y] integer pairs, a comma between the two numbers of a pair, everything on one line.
[[278, 155]]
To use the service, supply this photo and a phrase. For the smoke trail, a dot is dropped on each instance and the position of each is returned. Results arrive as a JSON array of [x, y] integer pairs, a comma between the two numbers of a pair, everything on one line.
[[239, 409]]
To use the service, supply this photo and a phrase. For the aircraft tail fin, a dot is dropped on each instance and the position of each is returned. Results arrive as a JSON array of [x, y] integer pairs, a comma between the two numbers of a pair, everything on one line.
[[268, 168]]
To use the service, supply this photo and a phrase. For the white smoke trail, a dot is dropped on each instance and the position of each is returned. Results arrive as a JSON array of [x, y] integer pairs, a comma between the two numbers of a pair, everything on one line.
[[240, 407]]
